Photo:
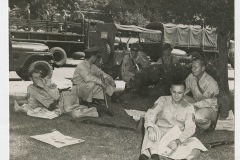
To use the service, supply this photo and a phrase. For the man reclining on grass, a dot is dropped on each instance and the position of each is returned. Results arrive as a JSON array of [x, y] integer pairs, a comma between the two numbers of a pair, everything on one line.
[[167, 112], [43, 93]]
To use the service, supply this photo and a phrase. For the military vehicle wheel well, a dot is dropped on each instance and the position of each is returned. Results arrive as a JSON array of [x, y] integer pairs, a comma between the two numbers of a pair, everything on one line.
[[36, 58]]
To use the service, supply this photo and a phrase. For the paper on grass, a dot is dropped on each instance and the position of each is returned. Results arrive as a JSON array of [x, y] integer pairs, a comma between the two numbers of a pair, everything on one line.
[[183, 150], [57, 139], [41, 112], [120, 86], [135, 114]]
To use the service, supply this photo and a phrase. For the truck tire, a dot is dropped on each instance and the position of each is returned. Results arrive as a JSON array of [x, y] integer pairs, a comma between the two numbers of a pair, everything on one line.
[[23, 74], [59, 55], [43, 66]]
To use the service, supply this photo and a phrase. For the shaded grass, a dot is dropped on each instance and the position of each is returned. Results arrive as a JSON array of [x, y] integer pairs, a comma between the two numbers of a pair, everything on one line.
[[101, 143]]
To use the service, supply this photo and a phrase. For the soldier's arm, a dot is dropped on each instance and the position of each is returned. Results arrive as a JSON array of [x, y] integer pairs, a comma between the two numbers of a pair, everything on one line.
[[52, 92], [150, 116], [87, 77], [209, 97], [188, 84]]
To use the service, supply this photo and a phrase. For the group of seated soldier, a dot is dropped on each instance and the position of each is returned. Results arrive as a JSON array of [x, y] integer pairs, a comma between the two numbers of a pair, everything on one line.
[[91, 86]]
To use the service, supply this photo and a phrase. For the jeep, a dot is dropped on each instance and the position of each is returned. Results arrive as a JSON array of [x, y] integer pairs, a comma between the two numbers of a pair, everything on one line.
[[25, 56]]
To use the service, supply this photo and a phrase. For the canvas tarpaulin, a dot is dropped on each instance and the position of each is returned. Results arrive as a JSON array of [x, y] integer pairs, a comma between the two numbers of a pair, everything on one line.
[[188, 35]]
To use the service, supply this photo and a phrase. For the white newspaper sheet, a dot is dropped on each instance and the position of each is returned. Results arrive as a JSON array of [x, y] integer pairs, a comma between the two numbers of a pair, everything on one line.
[[57, 139], [135, 114], [120, 86], [183, 150]]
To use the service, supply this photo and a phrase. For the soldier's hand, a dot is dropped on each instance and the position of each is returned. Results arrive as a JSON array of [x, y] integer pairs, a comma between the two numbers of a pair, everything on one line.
[[174, 144], [104, 85], [40, 83], [152, 134], [53, 85], [111, 81], [106, 80]]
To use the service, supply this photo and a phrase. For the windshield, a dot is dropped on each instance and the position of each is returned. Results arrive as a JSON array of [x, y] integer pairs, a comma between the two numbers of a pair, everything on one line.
[[150, 37]]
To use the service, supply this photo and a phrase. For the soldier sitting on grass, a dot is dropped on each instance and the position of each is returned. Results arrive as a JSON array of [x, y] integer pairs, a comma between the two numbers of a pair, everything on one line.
[[91, 84], [167, 112]]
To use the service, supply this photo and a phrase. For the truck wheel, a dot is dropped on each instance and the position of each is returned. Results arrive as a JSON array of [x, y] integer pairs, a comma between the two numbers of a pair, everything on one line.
[[23, 74], [43, 66], [59, 55]]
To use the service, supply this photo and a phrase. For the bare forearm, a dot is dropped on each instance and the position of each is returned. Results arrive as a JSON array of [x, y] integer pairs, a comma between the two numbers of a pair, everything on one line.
[[206, 103]]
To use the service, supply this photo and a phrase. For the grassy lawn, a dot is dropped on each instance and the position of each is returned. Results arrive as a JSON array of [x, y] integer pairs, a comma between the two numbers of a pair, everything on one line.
[[101, 142]]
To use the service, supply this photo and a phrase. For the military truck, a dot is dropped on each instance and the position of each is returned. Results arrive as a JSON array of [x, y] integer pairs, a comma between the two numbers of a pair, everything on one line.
[[192, 39], [25, 56], [63, 37]]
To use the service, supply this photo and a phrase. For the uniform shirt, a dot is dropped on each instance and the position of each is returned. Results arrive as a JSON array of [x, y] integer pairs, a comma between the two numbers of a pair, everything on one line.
[[165, 60], [40, 97], [85, 73], [128, 64], [206, 95], [166, 115]]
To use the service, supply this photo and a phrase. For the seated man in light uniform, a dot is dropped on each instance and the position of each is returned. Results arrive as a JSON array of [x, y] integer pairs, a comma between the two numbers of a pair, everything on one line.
[[167, 57], [131, 63], [167, 112], [43, 93], [204, 90], [89, 82]]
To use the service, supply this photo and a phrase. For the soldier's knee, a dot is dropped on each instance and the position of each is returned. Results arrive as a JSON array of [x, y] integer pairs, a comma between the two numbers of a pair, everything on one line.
[[200, 118]]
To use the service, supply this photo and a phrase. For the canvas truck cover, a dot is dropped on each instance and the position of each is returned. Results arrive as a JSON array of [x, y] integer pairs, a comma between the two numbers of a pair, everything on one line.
[[186, 35], [133, 28], [108, 31]]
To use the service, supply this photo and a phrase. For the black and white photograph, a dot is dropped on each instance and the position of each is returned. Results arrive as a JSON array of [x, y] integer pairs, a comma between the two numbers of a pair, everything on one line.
[[119, 79]]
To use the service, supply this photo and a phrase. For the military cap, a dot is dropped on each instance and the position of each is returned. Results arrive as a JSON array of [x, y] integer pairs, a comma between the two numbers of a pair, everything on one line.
[[136, 45], [92, 51]]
